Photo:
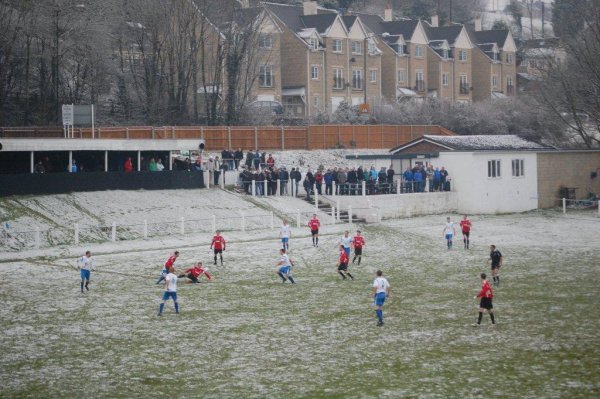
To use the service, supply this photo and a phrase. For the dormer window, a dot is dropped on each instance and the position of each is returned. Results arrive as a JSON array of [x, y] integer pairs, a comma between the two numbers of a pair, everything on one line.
[[400, 49], [357, 47], [313, 43], [495, 56], [265, 42], [445, 54]]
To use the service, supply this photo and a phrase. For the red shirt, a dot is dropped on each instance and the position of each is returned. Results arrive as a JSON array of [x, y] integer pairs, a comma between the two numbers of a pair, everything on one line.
[[358, 241], [343, 257], [465, 225], [218, 242], [128, 166], [314, 224], [170, 262], [486, 290], [196, 271]]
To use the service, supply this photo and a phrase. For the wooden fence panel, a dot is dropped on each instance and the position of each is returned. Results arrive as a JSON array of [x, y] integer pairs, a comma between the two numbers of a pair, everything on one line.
[[295, 138], [243, 137], [361, 136], [316, 137], [216, 139], [388, 136], [269, 138]]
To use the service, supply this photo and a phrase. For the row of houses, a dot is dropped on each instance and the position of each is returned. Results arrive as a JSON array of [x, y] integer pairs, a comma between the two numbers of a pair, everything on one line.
[[311, 59]]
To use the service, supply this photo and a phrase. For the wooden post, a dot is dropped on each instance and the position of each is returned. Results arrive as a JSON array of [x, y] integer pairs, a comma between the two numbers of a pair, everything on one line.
[[255, 138], [113, 235], [106, 161], [31, 162], [228, 138], [564, 205], [254, 188], [282, 138], [76, 234], [364, 188]]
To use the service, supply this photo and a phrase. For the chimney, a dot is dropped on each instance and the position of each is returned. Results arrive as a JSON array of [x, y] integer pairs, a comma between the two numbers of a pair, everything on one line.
[[435, 21], [387, 13], [310, 7], [478, 24]]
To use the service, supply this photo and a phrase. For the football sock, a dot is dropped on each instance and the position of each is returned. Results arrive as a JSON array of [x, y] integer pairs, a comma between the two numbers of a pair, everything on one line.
[[479, 317], [492, 317], [467, 243], [317, 241], [498, 280], [291, 279], [281, 275], [342, 274], [215, 259], [176, 307], [87, 283], [313, 240], [359, 258], [82, 286], [160, 279], [161, 308], [350, 275], [379, 314], [181, 276], [353, 259], [221, 261]]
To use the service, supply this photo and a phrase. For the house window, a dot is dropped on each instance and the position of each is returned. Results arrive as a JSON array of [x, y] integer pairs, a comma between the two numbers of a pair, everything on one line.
[[338, 78], [518, 167], [401, 75], [445, 54], [357, 48], [314, 72], [337, 46], [265, 42], [265, 76], [371, 46], [420, 81], [464, 84], [418, 51], [400, 49], [315, 101], [494, 80], [495, 56], [462, 55], [509, 58], [373, 73], [509, 86], [445, 79], [356, 79], [314, 43], [494, 168]]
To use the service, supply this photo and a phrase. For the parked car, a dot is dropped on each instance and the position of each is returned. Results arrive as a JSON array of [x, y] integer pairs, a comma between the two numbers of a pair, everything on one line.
[[266, 107]]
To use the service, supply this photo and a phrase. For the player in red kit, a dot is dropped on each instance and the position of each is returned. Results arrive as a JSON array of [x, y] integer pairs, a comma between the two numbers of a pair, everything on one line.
[[195, 272], [168, 265], [342, 266], [465, 226], [218, 244], [358, 242], [314, 225], [486, 294]]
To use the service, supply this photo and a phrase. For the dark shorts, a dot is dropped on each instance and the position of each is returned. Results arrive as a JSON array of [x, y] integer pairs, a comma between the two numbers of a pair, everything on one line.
[[466, 233], [170, 294], [314, 232], [194, 279], [357, 251], [495, 266], [486, 303], [85, 274], [343, 266], [218, 251]]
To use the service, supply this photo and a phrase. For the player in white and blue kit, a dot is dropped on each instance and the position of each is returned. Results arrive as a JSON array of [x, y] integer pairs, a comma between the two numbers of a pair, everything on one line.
[[285, 267], [346, 242], [170, 291], [86, 264], [380, 291], [285, 233], [449, 232]]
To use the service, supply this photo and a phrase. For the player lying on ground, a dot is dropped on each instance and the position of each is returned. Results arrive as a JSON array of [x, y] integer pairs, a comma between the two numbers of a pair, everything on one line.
[[195, 272]]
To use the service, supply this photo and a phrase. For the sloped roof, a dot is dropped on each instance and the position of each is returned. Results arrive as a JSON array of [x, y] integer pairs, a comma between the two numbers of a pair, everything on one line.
[[508, 142], [449, 33], [405, 28], [497, 36], [373, 22], [293, 17], [349, 20], [321, 22]]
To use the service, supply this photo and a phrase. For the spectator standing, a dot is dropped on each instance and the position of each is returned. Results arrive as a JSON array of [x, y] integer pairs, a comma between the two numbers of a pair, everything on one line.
[[237, 157], [263, 160], [307, 187], [152, 165], [270, 162], [328, 178], [159, 165], [390, 175], [39, 167], [444, 179], [256, 160], [128, 165], [319, 181], [296, 176], [418, 178], [408, 180], [284, 176], [342, 177], [437, 178], [352, 181], [249, 159]]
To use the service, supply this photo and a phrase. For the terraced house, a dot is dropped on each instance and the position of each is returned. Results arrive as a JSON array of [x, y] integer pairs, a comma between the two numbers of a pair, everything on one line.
[[326, 59]]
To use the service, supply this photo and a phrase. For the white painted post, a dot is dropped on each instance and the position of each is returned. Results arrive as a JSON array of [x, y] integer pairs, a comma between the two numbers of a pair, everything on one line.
[[564, 205], [333, 188], [254, 188], [265, 186], [76, 233], [31, 162], [223, 179], [182, 226], [426, 185], [316, 197], [292, 186], [337, 206], [214, 223], [278, 188], [106, 161], [350, 214], [333, 215], [139, 161], [145, 229], [70, 161], [207, 178], [244, 222], [598, 208], [37, 237], [297, 217], [398, 187], [113, 235], [364, 188], [272, 220]]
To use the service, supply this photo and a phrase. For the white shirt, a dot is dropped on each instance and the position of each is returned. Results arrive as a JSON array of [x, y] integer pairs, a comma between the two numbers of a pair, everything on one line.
[[171, 280], [86, 263], [160, 167], [381, 284], [285, 260], [346, 241], [285, 231], [449, 228]]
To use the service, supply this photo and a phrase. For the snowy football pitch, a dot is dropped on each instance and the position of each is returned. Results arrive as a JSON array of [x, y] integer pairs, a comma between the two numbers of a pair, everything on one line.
[[246, 335]]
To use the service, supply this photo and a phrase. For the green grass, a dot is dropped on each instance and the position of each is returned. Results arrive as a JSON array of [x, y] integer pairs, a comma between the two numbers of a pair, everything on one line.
[[248, 336]]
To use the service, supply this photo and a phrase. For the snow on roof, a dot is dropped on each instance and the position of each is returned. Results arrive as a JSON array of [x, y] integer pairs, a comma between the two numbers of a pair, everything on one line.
[[487, 142], [506, 142]]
